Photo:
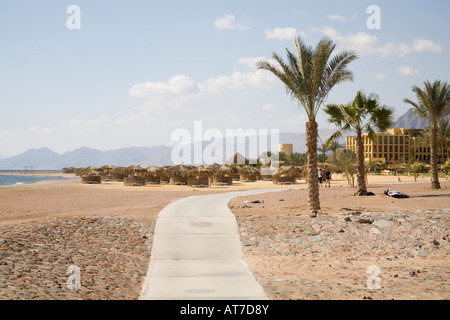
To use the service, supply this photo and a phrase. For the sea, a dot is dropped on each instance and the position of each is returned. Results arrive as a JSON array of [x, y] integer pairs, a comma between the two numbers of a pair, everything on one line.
[[7, 180]]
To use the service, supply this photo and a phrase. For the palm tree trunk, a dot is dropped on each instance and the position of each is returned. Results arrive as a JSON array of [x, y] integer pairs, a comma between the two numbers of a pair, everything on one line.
[[360, 174], [313, 175], [434, 175]]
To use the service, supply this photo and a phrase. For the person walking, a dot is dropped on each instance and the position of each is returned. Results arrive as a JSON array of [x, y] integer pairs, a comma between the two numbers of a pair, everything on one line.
[[328, 179], [321, 177]]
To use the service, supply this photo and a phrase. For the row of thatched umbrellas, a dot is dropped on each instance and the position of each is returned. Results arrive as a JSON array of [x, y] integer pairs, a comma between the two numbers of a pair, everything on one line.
[[189, 175]]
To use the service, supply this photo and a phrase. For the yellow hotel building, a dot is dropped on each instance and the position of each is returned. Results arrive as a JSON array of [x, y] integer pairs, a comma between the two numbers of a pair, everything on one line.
[[393, 147]]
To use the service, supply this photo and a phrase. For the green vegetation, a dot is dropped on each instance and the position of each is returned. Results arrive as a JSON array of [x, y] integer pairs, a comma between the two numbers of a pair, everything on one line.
[[363, 114], [433, 104]]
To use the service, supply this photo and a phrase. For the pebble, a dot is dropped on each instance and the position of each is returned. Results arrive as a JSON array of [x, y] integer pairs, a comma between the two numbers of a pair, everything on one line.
[[375, 231], [383, 224], [94, 244], [318, 238]]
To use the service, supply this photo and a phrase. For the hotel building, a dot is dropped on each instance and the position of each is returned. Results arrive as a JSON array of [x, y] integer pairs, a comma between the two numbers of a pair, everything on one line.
[[394, 146]]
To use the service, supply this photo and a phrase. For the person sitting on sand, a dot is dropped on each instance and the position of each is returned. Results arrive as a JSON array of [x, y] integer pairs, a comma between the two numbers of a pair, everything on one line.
[[328, 179]]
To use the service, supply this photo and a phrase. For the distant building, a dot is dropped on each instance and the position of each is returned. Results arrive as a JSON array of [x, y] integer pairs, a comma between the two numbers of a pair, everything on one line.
[[394, 146], [237, 158], [286, 148]]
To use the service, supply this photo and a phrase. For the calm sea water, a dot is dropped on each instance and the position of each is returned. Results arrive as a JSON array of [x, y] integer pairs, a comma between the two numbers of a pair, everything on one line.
[[7, 180]]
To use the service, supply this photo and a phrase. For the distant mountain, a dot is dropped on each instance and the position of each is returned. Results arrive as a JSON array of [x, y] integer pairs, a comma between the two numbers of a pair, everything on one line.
[[46, 159], [409, 120]]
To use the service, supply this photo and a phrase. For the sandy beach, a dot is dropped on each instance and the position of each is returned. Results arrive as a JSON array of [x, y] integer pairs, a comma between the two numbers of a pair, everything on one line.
[[107, 230]]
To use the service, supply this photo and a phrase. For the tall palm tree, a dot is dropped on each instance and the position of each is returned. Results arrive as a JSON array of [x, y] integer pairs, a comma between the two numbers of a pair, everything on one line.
[[309, 75], [433, 104], [442, 138], [363, 114]]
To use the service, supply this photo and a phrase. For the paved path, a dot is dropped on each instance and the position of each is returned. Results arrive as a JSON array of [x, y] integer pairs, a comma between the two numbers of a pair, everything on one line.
[[197, 252]]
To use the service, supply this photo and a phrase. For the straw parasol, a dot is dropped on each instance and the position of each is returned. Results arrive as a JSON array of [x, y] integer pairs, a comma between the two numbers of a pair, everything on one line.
[[177, 174], [90, 177], [285, 175], [118, 173], [199, 176], [164, 177], [107, 172], [153, 175], [82, 171], [135, 176], [223, 175], [248, 174]]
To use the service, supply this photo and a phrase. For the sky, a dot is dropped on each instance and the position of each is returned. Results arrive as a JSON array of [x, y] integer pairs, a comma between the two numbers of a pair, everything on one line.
[[135, 71]]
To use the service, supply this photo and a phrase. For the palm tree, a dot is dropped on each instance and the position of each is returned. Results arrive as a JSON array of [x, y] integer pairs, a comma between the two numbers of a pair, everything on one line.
[[442, 138], [323, 149], [362, 114], [309, 75], [433, 104], [334, 146]]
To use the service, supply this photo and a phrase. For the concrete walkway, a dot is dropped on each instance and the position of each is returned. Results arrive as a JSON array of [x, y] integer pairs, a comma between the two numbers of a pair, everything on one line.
[[197, 252]]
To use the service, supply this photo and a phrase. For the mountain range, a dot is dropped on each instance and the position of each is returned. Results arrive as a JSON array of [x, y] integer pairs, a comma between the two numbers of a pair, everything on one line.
[[46, 159]]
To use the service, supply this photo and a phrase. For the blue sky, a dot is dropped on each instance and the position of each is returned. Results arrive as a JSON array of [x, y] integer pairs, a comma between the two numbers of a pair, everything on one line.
[[138, 70]]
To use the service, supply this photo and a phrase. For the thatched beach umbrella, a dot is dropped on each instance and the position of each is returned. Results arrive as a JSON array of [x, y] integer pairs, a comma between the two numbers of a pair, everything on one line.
[[106, 172], [82, 171], [248, 174], [236, 175], [118, 173], [199, 176], [90, 177], [285, 175], [178, 173], [135, 176], [153, 175], [164, 177], [223, 175]]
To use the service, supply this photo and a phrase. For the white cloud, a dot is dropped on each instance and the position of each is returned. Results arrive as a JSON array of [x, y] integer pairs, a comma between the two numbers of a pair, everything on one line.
[[314, 29], [407, 71], [180, 91], [177, 93], [229, 23], [39, 130], [380, 76], [336, 17], [269, 107], [364, 43], [177, 85], [424, 45], [239, 81], [283, 33], [367, 44]]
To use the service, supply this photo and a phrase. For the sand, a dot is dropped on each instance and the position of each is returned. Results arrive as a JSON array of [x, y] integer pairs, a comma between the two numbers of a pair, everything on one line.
[[282, 267], [294, 256]]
